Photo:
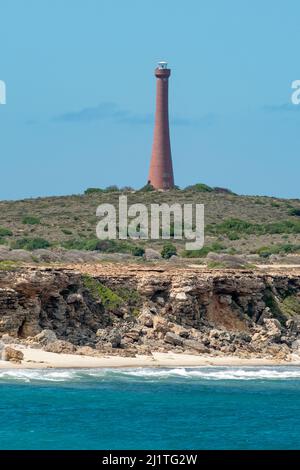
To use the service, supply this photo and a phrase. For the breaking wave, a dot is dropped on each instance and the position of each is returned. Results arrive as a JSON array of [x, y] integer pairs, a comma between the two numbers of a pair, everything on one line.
[[153, 374]]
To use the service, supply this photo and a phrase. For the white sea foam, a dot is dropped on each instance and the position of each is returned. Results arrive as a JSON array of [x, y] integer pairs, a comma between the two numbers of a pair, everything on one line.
[[29, 375], [217, 373], [153, 374]]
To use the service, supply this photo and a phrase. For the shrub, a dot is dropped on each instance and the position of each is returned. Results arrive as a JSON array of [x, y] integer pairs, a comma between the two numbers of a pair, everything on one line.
[[200, 188], [138, 251], [5, 232], [233, 236], [30, 243], [31, 220], [147, 188], [114, 246], [266, 251], [223, 190], [168, 250], [94, 244], [214, 247], [66, 231], [239, 226], [81, 244], [93, 191], [112, 189], [294, 211]]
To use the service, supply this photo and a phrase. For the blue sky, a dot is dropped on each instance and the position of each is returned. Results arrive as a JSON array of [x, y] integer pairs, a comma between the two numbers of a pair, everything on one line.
[[81, 93]]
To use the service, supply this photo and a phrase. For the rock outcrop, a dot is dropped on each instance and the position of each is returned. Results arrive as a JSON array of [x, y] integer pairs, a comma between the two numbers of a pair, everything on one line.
[[12, 355], [128, 310]]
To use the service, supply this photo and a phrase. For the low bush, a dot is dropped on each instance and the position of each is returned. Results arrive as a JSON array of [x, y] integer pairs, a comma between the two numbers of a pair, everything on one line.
[[112, 189], [30, 244], [214, 247], [168, 250], [93, 191], [94, 244], [5, 232], [66, 231], [217, 189], [138, 251], [31, 220], [266, 251], [147, 188], [294, 211], [199, 188], [241, 227]]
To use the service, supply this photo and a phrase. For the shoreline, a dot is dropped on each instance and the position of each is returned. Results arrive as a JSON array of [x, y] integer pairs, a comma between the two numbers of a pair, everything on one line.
[[39, 359]]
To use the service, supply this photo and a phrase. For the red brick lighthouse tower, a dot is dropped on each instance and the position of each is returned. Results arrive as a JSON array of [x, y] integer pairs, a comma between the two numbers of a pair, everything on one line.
[[161, 169]]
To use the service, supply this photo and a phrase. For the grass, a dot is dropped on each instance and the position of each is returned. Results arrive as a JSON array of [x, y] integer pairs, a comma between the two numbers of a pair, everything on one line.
[[294, 211], [113, 300], [290, 306], [8, 265], [5, 232], [266, 251], [243, 227], [215, 247], [31, 220], [109, 299], [130, 296], [30, 244], [274, 306], [215, 265]]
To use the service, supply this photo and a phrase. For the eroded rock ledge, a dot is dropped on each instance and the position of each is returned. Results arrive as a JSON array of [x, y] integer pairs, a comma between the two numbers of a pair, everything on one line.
[[128, 310]]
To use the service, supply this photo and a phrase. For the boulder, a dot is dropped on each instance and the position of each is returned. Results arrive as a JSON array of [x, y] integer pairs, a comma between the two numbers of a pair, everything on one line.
[[296, 345], [12, 355], [132, 336], [7, 339], [18, 255], [45, 337], [229, 261], [151, 254], [74, 298], [86, 351], [273, 328], [174, 339], [146, 320], [46, 256], [60, 346], [113, 337], [196, 345]]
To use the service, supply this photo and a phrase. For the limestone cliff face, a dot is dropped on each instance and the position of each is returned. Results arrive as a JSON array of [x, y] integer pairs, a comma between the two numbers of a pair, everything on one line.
[[132, 309]]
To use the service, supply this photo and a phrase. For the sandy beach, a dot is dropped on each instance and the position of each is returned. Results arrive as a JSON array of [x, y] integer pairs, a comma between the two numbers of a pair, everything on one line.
[[36, 358]]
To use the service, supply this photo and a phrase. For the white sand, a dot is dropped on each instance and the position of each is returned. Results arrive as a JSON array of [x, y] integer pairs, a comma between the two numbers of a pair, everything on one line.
[[36, 358]]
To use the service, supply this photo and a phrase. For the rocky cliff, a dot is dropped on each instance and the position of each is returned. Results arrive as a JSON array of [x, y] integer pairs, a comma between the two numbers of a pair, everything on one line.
[[126, 310]]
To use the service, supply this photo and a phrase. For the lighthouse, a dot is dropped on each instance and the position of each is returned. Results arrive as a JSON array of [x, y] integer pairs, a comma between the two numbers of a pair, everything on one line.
[[161, 168]]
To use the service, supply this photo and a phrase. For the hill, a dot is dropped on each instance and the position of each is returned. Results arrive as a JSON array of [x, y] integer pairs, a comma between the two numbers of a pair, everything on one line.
[[233, 224]]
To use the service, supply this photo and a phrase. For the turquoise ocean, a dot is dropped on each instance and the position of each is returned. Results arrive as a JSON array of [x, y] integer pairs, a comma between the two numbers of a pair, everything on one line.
[[179, 408]]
